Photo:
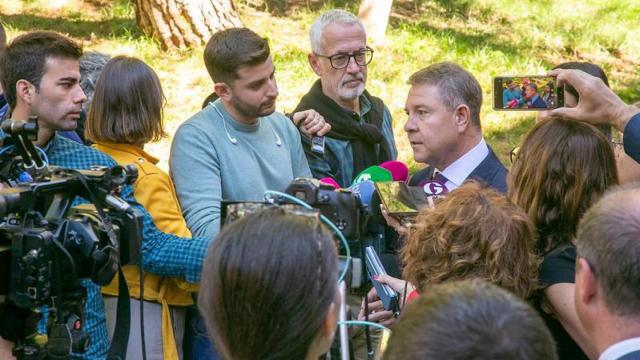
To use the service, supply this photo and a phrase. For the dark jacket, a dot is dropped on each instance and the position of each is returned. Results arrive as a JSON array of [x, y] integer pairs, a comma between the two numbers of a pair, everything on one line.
[[490, 171]]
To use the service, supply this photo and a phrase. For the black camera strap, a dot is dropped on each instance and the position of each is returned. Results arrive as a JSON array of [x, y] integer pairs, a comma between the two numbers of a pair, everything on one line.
[[120, 341]]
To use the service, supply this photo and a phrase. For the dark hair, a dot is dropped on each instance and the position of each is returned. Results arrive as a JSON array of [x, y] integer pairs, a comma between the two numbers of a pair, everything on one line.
[[267, 285], [229, 49], [533, 85], [457, 86], [211, 98], [127, 104], [26, 56], [474, 232], [561, 169], [469, 319], [589, 68], [609, 239]]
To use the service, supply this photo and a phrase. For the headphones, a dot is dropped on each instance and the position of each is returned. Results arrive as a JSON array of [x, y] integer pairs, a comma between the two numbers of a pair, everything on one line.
[[233, 139]]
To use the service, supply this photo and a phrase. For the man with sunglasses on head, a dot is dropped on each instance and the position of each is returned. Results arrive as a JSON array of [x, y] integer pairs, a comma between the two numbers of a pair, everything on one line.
[[362, 133]]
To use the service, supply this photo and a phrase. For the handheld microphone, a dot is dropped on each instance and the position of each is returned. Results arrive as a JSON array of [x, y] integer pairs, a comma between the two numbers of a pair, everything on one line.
[[399, 170], [374, 173], [317, 144], [433, 188], [365, 189]]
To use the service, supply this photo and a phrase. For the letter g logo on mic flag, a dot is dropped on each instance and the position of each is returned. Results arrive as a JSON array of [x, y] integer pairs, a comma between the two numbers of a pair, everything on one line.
[[433, 187], [373, 173]]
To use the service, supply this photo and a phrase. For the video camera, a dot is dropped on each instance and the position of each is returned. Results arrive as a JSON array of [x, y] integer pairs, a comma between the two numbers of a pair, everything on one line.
[[342, 207], [49, 243]]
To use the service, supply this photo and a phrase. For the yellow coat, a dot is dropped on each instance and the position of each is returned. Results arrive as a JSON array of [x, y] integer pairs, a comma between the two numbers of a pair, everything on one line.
[[155, 191]]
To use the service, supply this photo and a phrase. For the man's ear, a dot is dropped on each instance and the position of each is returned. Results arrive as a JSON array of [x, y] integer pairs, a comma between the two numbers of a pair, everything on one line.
[[223, 91], [462, 115], [25, 91], [586, 284], [314, 61]]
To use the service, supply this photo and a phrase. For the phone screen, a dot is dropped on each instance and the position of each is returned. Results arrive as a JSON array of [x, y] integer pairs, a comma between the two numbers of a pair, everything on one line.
[[529, 92], [396, 198]]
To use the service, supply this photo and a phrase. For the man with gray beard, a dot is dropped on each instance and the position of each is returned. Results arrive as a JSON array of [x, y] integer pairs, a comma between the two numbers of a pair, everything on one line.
[[361, 126]]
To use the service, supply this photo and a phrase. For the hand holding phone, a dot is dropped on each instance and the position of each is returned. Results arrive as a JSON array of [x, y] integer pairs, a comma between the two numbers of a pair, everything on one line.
[[527, 92], [374, 267]]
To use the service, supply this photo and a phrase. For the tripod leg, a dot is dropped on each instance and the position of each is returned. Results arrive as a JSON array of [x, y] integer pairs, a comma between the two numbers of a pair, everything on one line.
[[344, 335]]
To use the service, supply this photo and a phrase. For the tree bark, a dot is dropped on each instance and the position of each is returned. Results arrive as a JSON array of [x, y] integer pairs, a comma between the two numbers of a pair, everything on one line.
[[179, 24], [374, 14]]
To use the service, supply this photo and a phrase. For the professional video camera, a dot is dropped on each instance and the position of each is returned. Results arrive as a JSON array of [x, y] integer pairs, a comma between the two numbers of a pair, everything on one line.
[[342, 207], [48, 243]]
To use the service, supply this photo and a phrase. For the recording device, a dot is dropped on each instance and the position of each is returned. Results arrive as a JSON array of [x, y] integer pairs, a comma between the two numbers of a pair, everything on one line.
[[317, 144], [403, 201], [48, 244], [399, 170], [373, 173], [341, 206], [374, 267], [527, 92]]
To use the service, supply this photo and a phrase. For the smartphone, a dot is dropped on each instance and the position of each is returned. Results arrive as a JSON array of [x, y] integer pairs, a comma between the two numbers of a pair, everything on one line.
[[527, 92], [374, 267], [401, 200]]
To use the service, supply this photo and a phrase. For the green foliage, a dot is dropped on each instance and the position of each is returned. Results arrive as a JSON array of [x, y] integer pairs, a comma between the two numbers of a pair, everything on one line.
[[488, 37]]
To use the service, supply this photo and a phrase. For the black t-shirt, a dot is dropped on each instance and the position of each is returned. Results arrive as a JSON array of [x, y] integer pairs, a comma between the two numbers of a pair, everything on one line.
[[558, 267]]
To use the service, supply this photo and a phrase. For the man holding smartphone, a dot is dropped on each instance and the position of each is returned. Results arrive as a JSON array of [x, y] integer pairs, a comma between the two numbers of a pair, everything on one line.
[[599, 105]]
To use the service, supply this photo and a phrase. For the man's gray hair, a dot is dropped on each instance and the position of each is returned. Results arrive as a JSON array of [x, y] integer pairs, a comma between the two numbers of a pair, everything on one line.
[[91, 64], [334, 16]]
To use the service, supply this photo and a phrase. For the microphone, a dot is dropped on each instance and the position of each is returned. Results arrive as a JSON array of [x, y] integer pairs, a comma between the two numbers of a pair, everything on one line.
[[365, 190], [399, 170], [374, 173], [433, 188], [331, 182]]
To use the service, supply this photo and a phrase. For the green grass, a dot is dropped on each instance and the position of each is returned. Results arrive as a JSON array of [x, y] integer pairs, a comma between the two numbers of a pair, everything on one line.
[[488, 37]]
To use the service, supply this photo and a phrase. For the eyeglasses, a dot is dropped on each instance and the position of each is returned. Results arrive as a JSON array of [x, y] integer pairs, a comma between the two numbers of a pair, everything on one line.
[[341, 60]]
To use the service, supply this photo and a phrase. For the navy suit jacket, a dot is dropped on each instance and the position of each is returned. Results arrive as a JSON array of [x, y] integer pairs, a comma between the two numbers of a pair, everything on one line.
[[490, 171], [634, 355], [538, 103], [631, 138]]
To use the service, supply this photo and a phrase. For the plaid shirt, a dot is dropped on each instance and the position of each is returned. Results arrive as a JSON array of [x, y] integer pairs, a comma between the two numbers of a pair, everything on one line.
[[337, 161], [163, 254]]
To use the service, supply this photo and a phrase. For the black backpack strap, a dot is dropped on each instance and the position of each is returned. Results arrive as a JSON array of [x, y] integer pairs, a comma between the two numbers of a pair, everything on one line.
[[120, 341]]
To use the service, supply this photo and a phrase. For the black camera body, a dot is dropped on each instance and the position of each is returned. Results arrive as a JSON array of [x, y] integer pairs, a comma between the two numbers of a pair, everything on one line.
[[342, 207], [49, 243]]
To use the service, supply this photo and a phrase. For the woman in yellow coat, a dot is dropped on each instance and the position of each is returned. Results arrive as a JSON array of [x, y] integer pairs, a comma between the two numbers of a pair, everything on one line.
[[125, 114]]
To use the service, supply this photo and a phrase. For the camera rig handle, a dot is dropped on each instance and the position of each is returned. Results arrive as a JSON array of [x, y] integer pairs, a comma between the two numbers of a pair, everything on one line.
[[23, 133]]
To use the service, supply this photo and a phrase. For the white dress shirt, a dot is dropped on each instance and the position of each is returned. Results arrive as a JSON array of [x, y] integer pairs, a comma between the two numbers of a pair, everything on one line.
[[620, 349], [459, 170]]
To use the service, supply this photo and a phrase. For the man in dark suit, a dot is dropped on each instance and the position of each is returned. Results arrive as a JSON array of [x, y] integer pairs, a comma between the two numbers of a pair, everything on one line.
[[533, 99], [608, 276], [444, 129]]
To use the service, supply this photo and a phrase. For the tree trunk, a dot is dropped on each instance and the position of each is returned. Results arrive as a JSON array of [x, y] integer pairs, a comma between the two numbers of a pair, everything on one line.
[[185, 23], [374, 14]]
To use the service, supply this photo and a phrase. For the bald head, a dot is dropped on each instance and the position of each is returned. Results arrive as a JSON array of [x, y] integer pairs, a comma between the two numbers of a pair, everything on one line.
[[609, 239]]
